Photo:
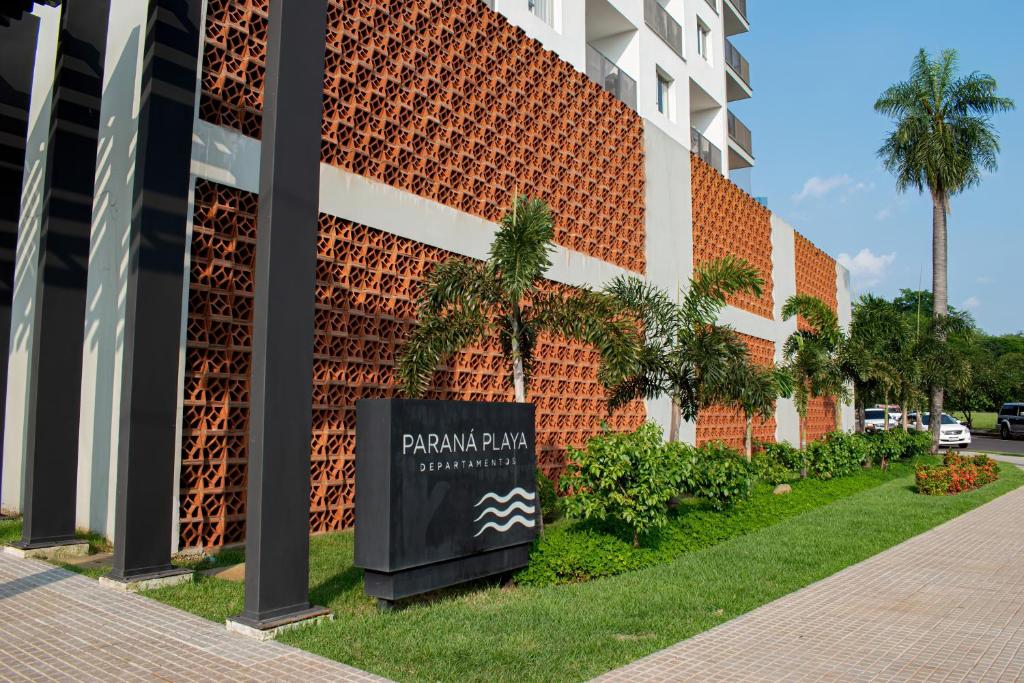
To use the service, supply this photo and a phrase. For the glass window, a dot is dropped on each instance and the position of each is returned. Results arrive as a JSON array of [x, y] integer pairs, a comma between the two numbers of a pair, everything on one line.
[[544, 9], [703, 41], [664, 89], [873, 414]]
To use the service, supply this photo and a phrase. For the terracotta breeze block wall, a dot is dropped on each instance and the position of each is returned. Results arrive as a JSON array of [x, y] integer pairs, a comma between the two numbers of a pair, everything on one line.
[[720, 423], [367, 281], [446, 99], [816, 275], [726, 220]]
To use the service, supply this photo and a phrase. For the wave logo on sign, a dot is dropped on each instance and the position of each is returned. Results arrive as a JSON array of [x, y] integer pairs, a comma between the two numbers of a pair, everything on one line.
[[505, 514]]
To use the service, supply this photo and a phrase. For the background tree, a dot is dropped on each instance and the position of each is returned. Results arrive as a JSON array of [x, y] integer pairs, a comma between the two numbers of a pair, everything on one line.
[[942, 141], [464, 302], [878, 355], [686, 354], [814, 358]]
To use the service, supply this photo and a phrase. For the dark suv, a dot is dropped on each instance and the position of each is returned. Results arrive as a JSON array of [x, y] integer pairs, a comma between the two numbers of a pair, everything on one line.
[[1011, 420]]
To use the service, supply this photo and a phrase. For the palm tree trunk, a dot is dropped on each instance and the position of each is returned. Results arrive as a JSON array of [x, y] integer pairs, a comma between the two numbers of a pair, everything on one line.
[[860, 415], [803, 447], [748, 439], [518, 371], [903, 418], [673, 425], [940, 300]]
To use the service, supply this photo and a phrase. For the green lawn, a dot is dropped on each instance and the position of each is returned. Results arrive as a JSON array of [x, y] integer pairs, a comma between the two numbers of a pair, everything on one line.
[[575, 631], [981, 420]]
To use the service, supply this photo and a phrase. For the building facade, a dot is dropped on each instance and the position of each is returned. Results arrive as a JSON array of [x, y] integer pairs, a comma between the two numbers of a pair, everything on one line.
[[436, 113]]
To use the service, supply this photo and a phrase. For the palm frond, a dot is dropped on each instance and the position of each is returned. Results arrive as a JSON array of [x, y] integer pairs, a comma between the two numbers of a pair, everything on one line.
[[521, 250]]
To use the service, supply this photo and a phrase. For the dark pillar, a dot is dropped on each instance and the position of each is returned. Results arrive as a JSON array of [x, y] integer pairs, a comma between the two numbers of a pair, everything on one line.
[[152, 332], [55, 361], [277, 511], [17, 61]]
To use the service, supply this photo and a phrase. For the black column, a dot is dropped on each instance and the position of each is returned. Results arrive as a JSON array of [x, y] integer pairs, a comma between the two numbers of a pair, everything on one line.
[[152, 331], [55, 360], [277, 511], [17, 61]]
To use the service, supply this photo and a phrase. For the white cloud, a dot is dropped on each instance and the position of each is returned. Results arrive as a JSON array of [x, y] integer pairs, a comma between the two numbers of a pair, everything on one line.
[[884, 214], [985, 280], [970, 303], [816, 187], [867, 268]]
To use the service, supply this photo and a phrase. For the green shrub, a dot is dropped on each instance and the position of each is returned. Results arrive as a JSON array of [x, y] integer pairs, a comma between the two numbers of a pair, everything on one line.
[[770, 471], [550, 506], [885, 446], [721, 475], [785, 455], [837, 455], [628, 478]]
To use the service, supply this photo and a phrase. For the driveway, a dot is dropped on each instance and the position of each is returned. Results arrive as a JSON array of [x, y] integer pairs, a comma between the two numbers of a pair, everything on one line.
[[986, 444]]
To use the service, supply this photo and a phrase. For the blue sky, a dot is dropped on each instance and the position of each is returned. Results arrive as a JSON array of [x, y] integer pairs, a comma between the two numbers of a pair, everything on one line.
[[817, 68]]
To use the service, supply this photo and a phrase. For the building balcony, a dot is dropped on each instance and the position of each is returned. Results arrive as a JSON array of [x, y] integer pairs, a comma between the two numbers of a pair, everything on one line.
[[713, 4], [738, 74], [703, 148], [741, 147], [661, 22], [734, 13], [609, 76]]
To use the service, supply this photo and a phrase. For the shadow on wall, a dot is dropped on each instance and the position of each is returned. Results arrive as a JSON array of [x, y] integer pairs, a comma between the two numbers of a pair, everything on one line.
[[105, 299]]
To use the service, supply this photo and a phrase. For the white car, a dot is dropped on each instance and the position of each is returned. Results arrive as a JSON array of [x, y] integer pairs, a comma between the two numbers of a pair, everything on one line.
[[951, 433], [874, 418]]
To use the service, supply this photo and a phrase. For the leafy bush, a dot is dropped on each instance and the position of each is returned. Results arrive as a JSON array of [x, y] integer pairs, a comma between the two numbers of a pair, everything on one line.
[[627, 478], [784, 454], [956, 474], [550, 506], [837, 455], [721, 475], [770, 471]]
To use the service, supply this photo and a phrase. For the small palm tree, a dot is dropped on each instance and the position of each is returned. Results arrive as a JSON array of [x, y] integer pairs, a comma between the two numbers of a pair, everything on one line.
[[754, 389], [685, 355], [942, 141], [877, 353], [464, 302], [814, 357]]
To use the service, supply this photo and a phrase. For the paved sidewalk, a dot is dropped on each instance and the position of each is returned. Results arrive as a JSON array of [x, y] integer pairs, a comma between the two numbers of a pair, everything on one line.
[[56, 625], [947, 605]]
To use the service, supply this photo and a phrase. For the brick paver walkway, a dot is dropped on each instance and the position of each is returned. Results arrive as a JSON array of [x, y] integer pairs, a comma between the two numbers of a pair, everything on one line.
[[55, 625], [947, 605]]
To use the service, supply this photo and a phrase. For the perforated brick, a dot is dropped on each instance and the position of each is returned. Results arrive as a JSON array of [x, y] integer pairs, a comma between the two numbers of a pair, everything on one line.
[[815, 273], [728, 425], [367, 283], [447, 100], [727, 221]]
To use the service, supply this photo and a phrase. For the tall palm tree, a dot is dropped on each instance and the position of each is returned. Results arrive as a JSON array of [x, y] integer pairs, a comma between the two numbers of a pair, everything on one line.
[[813, 356], [464, 302], [686, 354], [942, 141]]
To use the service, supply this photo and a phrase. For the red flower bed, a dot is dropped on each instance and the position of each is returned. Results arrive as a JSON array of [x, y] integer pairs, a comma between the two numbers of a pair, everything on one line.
[[956, 474]]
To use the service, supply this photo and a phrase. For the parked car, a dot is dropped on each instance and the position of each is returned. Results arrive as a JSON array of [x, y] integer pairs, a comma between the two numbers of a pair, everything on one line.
[[951, 432], [874, 418], [1011, 420]]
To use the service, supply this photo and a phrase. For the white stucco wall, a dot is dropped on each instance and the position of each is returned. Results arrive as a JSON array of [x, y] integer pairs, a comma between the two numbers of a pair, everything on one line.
[[845, 305], [26, 259], [669, 216], [784, 277], [108, 264]]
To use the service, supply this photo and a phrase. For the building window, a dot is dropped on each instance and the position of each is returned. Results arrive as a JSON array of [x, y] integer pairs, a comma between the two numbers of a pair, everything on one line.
[[544, 9], [664, 94], [703, 41]]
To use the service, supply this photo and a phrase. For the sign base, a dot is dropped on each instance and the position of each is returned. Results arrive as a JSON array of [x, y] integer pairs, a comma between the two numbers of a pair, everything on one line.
[[395, 586]]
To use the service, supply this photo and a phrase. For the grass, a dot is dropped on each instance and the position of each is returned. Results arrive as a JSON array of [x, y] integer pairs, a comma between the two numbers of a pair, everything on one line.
[[573, 552], [981, 420], [575, 631]]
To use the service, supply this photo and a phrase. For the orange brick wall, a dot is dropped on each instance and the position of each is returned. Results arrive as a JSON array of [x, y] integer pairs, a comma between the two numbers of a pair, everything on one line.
[[446, 99], [721, 423], [367, 281], [821, 418], [728, 221]]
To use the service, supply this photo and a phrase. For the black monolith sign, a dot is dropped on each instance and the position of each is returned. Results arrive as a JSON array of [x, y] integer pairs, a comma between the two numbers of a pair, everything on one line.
[[445, 493]]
